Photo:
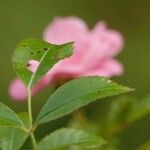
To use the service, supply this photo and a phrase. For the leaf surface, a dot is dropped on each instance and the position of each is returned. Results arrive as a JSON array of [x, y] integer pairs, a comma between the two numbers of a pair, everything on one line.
[[46, 54], [140, 109], [9, 118], [13, 138], [66, 137], [78, 93]]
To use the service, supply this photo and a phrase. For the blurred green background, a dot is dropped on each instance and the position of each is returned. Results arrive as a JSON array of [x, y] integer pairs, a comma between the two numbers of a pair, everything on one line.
[[28, 18]]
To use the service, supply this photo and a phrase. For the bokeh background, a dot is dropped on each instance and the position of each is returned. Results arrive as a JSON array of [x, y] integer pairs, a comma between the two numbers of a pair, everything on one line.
[[28, 18]]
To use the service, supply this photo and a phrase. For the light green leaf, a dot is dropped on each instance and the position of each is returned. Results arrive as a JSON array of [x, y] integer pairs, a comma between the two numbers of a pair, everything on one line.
[[77, 93], [46, 54], [9, 118], [67, 137], [13, 138]]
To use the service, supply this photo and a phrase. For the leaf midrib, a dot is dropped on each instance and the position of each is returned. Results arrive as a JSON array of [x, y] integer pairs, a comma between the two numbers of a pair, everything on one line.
[[34, 74]]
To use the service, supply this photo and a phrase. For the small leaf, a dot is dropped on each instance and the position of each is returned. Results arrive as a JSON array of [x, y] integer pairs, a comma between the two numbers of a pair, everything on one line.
[[13, 138], [67, 137], [46, 54], [77, 93], [125, 111], [118, 113], [140, 109], [9, 118]]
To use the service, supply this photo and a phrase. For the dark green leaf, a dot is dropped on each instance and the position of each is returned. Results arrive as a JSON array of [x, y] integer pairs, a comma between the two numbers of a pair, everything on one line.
[[66, 137], [46, 54], [77, 93]]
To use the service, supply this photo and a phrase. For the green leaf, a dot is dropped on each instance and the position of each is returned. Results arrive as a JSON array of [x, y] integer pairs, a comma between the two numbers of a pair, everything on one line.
[[118, 113], [67, 137], [9, 118], [46, 54], [77, 93], [140, 109], [13, 138], [125, 111], [145, 146]]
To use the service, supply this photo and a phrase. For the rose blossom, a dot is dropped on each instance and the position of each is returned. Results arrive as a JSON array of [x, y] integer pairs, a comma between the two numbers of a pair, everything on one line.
[[92, 56]]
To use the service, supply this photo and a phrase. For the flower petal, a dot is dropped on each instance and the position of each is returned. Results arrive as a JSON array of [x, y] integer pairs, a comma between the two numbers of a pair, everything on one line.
[[106, 68], [17, 90], [63, 30], [93, 54], [33, 65], [112, 39]]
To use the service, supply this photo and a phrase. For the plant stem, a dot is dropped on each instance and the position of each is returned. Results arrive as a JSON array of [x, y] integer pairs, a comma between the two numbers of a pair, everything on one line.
[[33, 141], [30, 108], [31, 120]]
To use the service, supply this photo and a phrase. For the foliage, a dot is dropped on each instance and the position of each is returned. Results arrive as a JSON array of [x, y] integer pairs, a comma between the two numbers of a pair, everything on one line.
[[16, 128]]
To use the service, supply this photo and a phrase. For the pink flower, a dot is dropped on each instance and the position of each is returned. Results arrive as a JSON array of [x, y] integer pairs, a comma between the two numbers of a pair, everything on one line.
[[93, 54]]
